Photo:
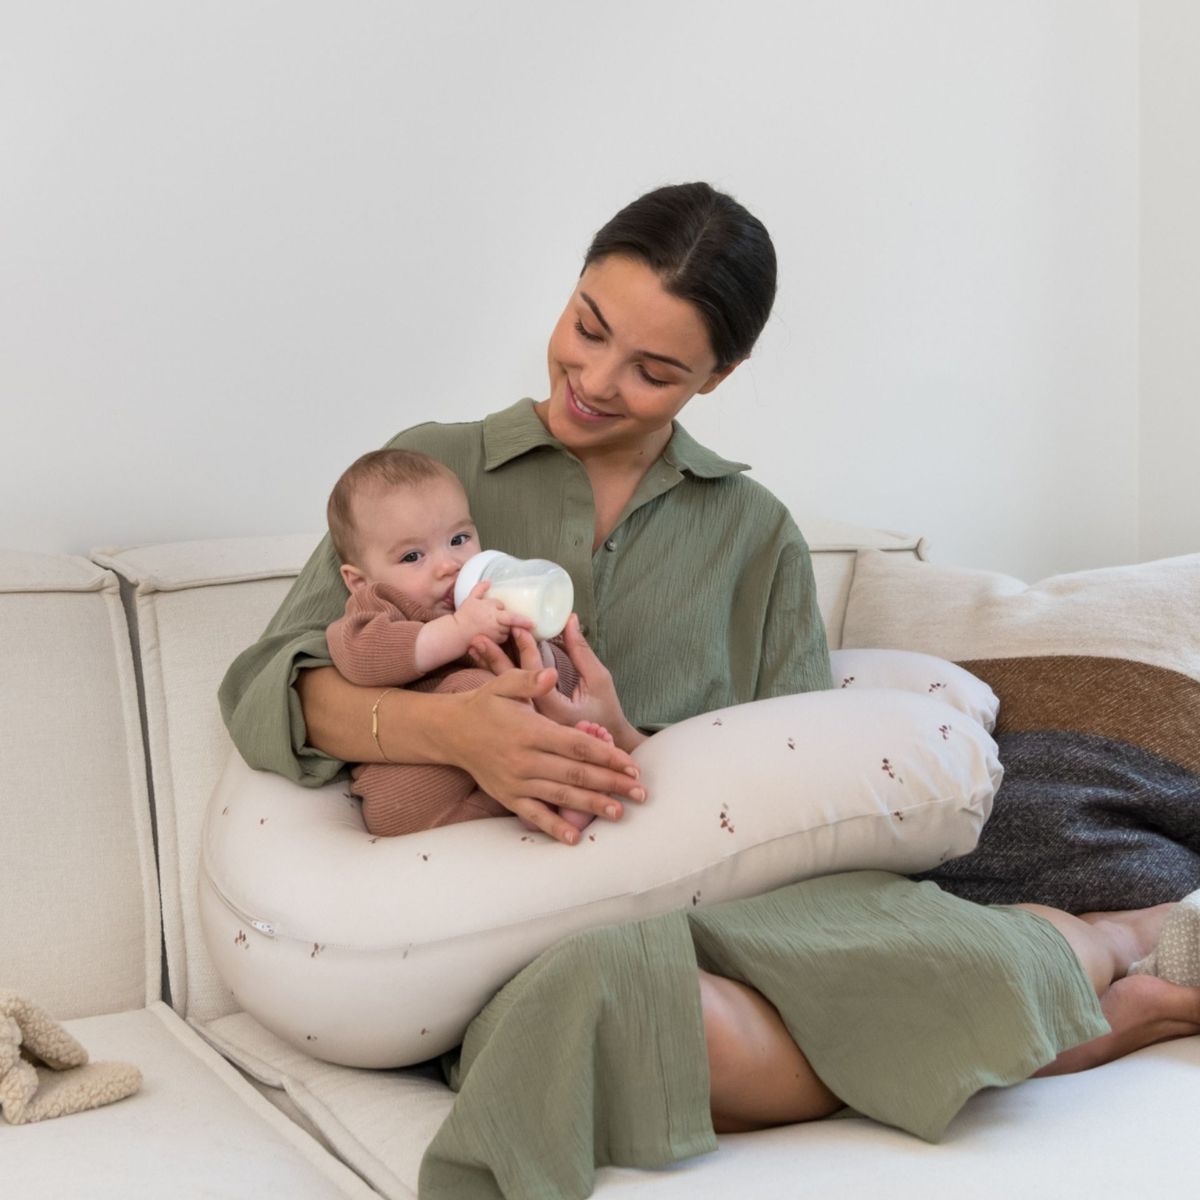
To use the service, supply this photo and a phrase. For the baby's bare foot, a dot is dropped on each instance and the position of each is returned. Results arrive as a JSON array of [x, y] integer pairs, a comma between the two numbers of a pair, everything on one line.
[[594, 730]]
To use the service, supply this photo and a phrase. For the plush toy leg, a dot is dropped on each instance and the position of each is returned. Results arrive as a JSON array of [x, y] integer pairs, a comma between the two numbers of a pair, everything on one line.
[[66, 1083], [1176, 958]]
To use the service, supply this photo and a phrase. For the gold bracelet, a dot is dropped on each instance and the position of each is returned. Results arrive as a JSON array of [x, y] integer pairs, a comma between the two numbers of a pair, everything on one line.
[[375, 724]]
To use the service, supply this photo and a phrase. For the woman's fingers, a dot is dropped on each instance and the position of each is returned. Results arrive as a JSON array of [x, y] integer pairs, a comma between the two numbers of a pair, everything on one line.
[[580, 653], [544, 818], [514, 753], [529, 655]]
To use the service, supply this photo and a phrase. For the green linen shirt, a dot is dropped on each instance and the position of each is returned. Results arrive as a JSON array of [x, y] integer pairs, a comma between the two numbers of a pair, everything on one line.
[[702, 597]]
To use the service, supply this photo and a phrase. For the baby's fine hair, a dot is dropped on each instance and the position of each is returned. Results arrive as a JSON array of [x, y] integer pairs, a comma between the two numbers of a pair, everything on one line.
[[378, 470]]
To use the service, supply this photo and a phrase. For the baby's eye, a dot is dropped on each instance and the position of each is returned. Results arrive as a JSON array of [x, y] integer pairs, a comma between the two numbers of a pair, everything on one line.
[[411, 557], [460, 539]]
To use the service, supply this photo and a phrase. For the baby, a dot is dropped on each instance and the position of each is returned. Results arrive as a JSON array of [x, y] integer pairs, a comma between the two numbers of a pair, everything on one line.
[[401, 527]]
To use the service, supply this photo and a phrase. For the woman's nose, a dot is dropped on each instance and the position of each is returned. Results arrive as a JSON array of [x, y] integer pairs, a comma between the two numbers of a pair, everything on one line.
[[599, 377]]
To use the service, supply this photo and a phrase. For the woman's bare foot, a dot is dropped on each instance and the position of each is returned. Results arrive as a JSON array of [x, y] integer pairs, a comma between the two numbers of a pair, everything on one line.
[[1140, 1011]]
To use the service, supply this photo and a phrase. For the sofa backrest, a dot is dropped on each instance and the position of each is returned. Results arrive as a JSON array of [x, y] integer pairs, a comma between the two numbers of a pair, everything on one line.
[[79, 925], [194, 607]]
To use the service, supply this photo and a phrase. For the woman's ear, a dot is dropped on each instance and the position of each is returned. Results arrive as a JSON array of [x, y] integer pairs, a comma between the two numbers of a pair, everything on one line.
[[718, 377]]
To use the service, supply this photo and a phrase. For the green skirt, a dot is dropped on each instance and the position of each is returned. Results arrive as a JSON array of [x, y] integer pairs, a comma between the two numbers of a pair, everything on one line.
[[905, 1000]]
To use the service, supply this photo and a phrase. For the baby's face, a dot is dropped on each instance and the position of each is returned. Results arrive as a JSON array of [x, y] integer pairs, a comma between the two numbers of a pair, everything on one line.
[[416, 539]]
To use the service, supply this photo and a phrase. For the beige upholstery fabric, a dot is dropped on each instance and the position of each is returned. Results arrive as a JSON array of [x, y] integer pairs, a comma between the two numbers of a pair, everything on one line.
[[195, 1129], [197, 605], [79, 928], [1148, 612], [379, 1122], [1053, 1137], [834, 546]]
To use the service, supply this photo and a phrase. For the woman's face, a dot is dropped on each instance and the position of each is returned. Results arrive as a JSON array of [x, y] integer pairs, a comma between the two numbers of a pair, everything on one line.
[[624, 358]]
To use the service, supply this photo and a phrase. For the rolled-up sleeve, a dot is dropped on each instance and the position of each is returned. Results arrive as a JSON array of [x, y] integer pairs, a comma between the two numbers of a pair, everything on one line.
[[258, 702], [795, 653]]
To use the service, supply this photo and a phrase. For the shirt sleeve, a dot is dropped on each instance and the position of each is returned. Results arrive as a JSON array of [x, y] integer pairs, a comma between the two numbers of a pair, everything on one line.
[[795, 653], [258, 702], [374, 643]]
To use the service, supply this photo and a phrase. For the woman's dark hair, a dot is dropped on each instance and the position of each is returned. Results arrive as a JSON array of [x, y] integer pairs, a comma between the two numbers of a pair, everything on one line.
[[707, 249]]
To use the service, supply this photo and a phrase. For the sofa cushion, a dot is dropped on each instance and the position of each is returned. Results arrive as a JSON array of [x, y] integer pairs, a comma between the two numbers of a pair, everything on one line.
[[196, 1128], [1053, 1136], [196, 606], [79, 926], [833, 546], [1098, 675]]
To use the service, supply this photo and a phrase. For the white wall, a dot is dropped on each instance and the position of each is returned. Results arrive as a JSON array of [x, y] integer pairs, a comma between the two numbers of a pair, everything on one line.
[[1170, 279], [242, 242]]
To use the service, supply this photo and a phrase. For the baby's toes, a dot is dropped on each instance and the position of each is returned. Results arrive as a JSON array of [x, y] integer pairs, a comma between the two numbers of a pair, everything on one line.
[[594, 730]]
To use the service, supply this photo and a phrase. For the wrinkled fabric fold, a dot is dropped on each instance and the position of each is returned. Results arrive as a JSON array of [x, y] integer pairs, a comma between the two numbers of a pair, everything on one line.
[[905, 999]]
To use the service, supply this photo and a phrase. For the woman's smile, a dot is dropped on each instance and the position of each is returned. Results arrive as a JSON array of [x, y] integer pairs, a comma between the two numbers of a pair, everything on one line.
[[584, 411]]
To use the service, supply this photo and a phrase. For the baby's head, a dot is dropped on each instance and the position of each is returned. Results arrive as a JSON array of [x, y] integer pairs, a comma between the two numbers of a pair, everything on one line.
[[401, 518]]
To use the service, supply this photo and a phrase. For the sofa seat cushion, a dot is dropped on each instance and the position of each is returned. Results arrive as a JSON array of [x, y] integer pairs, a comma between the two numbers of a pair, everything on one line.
[[196, 1128], [1041, 1138]]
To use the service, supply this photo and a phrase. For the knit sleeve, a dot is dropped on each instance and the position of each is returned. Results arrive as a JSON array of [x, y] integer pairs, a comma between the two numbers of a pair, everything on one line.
[[374, 642], [568, 677]]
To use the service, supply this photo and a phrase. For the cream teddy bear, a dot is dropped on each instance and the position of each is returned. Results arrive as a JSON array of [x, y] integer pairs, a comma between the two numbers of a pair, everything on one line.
[[44, 1071]]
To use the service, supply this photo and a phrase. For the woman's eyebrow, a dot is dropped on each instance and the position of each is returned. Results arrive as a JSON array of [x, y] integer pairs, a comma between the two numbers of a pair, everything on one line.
[[673, 362]]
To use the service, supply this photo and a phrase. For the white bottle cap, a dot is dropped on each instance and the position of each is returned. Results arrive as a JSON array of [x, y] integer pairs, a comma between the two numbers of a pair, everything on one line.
[[470, 573]]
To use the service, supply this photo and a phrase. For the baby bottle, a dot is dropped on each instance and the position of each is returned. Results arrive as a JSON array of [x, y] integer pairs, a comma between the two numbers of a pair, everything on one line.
[[534, 587]]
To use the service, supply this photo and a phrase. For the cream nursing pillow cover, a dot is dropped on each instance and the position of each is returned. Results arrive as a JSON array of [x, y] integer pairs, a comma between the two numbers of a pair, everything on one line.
[[377, 952]]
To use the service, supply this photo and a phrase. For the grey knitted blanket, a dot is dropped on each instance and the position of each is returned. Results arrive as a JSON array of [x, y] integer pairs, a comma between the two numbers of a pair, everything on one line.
[[1083, 823]]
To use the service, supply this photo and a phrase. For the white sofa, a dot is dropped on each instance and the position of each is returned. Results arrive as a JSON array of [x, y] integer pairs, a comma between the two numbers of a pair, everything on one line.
[[112, 743]]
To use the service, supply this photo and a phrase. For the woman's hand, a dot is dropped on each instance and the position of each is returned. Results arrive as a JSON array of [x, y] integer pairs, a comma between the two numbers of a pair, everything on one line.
[[594, 698], [530, 763]]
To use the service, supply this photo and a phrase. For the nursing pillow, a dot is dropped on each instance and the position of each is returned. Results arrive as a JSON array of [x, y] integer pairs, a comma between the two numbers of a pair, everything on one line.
[[377, 952], [925, 674]]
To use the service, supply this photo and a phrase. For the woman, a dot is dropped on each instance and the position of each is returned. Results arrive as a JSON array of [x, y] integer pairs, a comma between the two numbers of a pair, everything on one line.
[[598, 476], [599, 479]]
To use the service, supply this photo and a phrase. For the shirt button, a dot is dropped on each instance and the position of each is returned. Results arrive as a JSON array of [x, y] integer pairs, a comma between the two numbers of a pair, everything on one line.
[[610, 544]]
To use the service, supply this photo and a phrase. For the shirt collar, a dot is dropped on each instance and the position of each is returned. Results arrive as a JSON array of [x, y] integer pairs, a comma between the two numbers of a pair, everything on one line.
[[517, 430]]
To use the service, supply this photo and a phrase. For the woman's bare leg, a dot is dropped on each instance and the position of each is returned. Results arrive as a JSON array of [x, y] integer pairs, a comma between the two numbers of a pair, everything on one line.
[[758, 1075], [1140, 1009], [760, 1078], [1107, 944]]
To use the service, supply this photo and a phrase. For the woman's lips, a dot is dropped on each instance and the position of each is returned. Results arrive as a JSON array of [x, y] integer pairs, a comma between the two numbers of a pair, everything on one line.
[[585, 412]]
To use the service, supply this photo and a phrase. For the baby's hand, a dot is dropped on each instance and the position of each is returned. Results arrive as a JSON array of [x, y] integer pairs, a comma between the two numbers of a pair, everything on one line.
[[479, 615]]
